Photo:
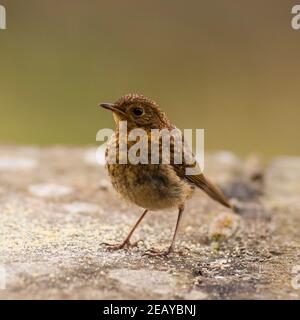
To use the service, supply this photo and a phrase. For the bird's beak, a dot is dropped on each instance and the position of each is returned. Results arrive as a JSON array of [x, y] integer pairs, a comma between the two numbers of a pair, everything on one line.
[[111, 107], [108, 106]]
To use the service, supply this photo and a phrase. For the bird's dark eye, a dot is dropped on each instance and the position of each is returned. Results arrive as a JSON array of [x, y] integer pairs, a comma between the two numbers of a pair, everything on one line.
[[138, 111]]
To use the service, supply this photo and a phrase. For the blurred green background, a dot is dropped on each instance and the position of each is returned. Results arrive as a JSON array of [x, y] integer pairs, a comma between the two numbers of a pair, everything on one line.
[[229, 66]]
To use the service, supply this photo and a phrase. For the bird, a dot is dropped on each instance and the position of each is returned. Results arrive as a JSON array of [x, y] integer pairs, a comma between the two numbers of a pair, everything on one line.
[[157, 186]]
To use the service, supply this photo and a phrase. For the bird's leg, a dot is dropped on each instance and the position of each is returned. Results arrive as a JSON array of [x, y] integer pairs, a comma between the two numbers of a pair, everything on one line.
[[157, 253], [126, 243]]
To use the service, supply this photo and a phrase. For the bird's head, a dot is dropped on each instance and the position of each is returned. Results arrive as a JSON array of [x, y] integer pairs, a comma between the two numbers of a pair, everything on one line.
[[138, 111]]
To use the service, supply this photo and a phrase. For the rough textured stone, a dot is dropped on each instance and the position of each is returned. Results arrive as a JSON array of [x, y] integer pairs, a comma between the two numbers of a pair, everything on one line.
[[50, 240]]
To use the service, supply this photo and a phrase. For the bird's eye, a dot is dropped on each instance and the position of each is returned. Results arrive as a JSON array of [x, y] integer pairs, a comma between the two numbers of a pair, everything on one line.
[[138, 111]]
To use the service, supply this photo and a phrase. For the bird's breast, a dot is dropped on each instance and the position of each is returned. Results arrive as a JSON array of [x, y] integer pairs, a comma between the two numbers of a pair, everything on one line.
[[151, 186]]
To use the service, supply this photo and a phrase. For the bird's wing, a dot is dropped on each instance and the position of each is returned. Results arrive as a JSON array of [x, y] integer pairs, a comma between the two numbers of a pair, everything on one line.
[[198, 179], [202, 182]]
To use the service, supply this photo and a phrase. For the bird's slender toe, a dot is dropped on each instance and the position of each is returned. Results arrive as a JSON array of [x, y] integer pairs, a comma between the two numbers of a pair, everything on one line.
[[157, 253], [119, 246]]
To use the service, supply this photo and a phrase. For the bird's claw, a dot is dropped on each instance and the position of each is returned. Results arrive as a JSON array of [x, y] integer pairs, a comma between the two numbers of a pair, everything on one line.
[[118, 246], [157, 253]]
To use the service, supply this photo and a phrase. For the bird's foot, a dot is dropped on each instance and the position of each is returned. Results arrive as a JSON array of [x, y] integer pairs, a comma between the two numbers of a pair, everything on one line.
[[157, 253], [118, 246]]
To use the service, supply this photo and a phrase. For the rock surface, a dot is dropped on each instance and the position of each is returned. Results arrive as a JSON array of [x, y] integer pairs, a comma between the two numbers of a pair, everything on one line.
[[57, 206]]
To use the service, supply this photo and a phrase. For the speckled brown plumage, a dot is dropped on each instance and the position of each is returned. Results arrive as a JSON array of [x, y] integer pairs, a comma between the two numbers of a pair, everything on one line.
[[151, 186]]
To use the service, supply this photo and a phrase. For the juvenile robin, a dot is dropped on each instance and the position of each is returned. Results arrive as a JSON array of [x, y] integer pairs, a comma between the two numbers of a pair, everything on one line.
[[151, 186]]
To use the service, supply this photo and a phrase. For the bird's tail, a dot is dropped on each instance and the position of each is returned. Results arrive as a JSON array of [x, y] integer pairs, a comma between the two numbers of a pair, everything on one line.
[[211, 189]]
